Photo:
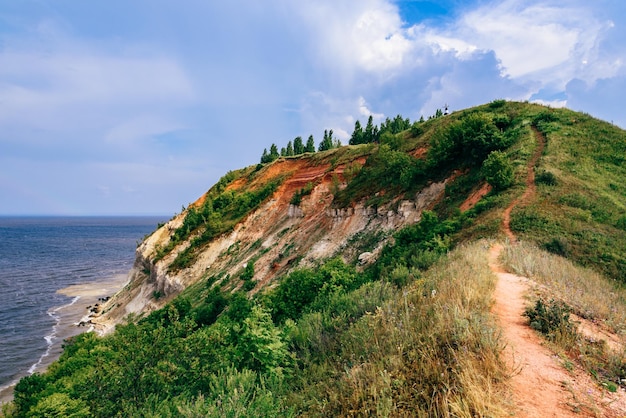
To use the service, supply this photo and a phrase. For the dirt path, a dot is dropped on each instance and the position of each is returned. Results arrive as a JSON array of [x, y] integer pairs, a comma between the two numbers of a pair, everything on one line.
[[541, 386], [529, 193]]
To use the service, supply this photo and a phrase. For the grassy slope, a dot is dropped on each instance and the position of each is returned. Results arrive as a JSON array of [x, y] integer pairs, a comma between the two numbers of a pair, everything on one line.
[[582, 215], [367, 346]]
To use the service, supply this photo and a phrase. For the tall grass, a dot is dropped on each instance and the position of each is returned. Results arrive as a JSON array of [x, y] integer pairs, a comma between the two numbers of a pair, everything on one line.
[[431, 349], [589, 294]]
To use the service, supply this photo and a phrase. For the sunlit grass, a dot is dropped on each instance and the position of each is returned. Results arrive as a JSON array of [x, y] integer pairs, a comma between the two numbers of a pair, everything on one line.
[[431, 349], [589, 294]]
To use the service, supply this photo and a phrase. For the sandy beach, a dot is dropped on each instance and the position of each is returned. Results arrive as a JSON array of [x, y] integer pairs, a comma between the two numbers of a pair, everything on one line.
[[84, 297]]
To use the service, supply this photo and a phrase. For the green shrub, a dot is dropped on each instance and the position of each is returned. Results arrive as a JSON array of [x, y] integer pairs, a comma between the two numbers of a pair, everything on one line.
[[417, 129], [296, 199], [304, 287], [214, 304], [498, 170], [386, 169], [468, 140], [248, 285], [502, 122], [527, 220], [248, 271], [551, 319], [60, 405], [546, 177], [558, 246], [28, 392], [239, 307], [400, 276], [234, 393], [497, 104], [260, 346]]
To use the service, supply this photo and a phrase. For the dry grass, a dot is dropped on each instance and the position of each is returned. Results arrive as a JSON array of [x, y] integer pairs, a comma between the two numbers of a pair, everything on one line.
[[432, 350], [589, 294]]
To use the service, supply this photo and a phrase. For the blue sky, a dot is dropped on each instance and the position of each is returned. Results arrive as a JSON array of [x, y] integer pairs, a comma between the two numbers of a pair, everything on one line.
[[138, 107]]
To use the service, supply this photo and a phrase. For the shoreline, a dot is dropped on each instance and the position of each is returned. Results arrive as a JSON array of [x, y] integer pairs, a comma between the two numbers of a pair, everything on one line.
[[69, 317]]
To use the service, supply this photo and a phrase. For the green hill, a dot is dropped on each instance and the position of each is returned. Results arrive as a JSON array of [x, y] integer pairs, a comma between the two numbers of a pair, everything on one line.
[[355, 281]]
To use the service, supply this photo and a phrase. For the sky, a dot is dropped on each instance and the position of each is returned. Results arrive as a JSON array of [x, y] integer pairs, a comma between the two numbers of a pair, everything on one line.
[[137, 107]]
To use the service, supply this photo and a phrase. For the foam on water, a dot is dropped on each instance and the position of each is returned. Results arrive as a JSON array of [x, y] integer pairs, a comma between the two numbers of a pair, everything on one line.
[[52, 337], [40, 259]]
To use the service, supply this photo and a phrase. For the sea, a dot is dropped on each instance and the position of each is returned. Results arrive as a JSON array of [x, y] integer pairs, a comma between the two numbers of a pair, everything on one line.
[[51, 270]]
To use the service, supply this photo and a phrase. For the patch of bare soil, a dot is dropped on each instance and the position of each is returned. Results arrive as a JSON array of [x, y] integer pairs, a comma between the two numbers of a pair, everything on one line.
[[596, 331], [541, 386], [419, 152], [475, 197]]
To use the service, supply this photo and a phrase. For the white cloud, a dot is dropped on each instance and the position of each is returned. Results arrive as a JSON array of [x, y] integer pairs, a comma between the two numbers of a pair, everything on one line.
[[193, 100], [365, 111], [356, 36], [544, 40], [378, 42], [526, 37]]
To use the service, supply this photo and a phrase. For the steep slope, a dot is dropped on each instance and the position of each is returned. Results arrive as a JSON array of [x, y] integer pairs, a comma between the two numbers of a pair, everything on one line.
[[356, 282], [274, 237], [539, 382], [277, 235]]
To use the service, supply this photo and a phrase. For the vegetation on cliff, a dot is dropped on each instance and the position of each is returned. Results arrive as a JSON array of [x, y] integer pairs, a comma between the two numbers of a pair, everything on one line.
[[410, 334]]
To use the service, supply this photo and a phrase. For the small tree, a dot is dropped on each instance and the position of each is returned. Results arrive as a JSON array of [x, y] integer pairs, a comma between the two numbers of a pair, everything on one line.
[[357, 134], [274, 152], [298, 146], [310, 144], [260, 346], [327, 142], [371, 132], [289, 151], [265, 157], [498, 170]]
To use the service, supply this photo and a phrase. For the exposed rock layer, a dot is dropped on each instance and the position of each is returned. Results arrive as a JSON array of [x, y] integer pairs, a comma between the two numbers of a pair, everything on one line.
[[279, 235]]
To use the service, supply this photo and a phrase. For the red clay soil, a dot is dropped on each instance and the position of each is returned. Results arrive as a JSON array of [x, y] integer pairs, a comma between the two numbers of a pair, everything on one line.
[[475, 197], [419, 152], [541, 386]]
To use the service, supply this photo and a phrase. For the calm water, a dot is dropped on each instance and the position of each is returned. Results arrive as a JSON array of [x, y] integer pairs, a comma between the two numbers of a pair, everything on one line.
[[41, 255]]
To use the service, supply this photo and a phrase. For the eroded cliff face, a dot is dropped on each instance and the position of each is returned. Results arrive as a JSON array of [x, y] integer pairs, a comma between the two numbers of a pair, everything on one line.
[[278, 236]]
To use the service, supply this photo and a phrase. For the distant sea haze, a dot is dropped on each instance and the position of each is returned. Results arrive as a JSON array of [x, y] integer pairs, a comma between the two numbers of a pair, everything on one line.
[[49, 269]]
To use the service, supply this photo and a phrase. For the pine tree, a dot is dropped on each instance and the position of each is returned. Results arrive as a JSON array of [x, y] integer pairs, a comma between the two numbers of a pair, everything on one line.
[[265, 157], [310, 144], [298, 146], [327, 142], [274, 152], [289, 150], [370, 134], [357, 134]]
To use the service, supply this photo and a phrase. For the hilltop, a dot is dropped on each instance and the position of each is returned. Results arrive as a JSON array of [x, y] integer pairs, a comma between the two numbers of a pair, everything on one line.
[[359, 281]]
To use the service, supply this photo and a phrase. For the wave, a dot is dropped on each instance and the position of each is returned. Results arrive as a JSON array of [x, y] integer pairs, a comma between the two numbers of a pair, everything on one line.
[[51, 338]]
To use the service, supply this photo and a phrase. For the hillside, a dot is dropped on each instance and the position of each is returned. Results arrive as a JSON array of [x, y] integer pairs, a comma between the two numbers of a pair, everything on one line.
[[358, 281]]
